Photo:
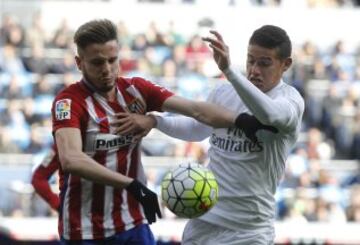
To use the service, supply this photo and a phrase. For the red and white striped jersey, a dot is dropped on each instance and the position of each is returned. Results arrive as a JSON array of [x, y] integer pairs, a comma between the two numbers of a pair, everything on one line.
[[42, 174], [90, 210]]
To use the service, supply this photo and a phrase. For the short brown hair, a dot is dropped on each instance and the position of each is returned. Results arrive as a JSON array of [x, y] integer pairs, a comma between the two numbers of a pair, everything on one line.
[[95, 31], [272, 37]]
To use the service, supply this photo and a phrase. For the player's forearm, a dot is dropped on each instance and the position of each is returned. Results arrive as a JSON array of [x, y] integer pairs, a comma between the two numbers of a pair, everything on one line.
[[213, 115], [264, 108], [42, 187], [184, 128], [210, 114], [51, 198], [80, 164]]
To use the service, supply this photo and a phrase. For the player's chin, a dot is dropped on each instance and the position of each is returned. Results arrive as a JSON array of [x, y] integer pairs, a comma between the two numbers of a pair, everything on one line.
[[107, 87]]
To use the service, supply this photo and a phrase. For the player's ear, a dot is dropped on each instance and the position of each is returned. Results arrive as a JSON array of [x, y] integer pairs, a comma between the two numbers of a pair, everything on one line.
[[287, 63], [78, 62]]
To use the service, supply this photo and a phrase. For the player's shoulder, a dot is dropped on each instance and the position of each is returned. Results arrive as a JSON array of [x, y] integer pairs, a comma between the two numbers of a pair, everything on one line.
[[292, 94], [289, 91], [128, 81], [138, 83], [223, 87]]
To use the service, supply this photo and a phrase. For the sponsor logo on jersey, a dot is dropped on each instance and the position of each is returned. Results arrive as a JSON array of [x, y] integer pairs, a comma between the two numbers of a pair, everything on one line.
[[107, 142], [235, 141], [63, 109]]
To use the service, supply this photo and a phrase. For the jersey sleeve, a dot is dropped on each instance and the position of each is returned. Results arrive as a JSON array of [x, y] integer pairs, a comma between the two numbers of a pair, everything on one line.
[[284, 112], [40, 178], [153, 94], [66, 111], [186, 128]]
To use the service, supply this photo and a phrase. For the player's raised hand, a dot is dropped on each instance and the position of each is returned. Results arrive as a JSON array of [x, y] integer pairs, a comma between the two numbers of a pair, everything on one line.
[[220, 50]]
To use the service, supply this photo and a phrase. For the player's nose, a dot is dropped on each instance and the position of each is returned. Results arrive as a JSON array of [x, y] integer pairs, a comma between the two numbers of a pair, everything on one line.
[[254, 69]]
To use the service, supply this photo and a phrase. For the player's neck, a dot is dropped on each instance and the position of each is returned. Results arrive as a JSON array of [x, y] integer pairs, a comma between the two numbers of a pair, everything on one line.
[[110, 96]]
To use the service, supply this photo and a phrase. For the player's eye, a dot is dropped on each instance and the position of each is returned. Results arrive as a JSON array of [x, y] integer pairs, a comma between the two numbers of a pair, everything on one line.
[[97, 62], [251, 61], [112, 60], [264, 63]]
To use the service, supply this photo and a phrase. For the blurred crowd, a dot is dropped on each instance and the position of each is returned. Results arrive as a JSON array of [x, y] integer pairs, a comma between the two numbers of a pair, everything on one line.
[[269, 3], [36, 64]]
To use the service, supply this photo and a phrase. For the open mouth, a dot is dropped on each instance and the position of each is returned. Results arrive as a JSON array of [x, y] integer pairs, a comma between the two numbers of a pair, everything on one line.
[[256, 81]]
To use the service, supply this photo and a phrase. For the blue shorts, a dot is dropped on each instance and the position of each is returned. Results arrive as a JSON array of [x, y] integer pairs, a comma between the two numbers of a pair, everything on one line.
[[139, 235]]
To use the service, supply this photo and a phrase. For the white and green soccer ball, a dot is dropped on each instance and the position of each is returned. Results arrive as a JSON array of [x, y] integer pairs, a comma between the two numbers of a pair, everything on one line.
[[189, 190]]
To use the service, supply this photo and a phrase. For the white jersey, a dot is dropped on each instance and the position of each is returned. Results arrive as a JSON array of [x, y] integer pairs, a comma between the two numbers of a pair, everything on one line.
[[247, 173]]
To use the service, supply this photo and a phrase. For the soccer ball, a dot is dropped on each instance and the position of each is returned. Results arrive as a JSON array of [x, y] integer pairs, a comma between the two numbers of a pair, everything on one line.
[[189, 190]]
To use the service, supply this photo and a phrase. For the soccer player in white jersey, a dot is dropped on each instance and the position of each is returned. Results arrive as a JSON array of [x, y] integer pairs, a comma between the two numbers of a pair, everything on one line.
[[103, 193], [248, 160]]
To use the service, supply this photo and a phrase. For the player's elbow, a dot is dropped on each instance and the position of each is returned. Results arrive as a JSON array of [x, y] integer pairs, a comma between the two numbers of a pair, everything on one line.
[[34, 180], [66, 161], [270, 119]]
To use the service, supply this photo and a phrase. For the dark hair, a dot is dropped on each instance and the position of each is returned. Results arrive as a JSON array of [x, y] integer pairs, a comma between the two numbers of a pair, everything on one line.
[[272, 37], [95, 31]]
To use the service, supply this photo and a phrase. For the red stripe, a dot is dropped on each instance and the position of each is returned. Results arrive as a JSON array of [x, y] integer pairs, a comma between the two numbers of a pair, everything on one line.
[[98, 191], [134, 206], [97, 205], [118, 200], [60, 226], [75, 208]]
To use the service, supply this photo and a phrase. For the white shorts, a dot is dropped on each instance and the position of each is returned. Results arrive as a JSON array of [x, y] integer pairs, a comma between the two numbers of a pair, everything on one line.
[[198, 232]]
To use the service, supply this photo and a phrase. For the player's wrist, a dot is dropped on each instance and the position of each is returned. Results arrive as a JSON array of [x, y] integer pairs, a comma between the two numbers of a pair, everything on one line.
[[153, 120], [159, 121], [228, 71]]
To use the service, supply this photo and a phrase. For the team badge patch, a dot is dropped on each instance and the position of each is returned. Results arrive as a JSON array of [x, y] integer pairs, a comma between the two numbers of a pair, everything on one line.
[[137, 106], [63, 109]]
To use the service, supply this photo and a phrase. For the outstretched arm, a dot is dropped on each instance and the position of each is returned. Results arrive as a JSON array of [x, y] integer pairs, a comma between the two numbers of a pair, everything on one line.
[[207, 113], [184, 128], [281, 113], [180, 127]]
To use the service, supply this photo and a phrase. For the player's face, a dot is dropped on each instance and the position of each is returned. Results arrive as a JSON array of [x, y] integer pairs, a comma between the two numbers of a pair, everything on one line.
[[99, 65], [264, 67]]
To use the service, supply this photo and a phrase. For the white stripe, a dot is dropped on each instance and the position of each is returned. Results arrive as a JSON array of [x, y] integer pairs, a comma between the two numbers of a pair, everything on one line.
[[109, 226], [136, 93], [86, 195], [92, 113], [109, 111], [125, 214], [121, 100], [65, 211]]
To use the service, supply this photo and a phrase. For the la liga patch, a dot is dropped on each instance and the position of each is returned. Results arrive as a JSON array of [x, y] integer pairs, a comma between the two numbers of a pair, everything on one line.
[[63, 109]]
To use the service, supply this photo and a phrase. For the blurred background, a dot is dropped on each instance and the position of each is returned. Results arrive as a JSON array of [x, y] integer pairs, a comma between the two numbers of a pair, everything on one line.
[[318, 201]]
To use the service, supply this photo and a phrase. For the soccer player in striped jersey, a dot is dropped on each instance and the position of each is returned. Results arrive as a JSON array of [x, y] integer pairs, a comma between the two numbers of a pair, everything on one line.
[[40, 179], [103, 195], [248, 160]]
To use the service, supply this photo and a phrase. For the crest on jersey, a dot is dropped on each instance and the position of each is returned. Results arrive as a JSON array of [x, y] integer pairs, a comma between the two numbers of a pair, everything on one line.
[[63, 109], [137, 106]]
